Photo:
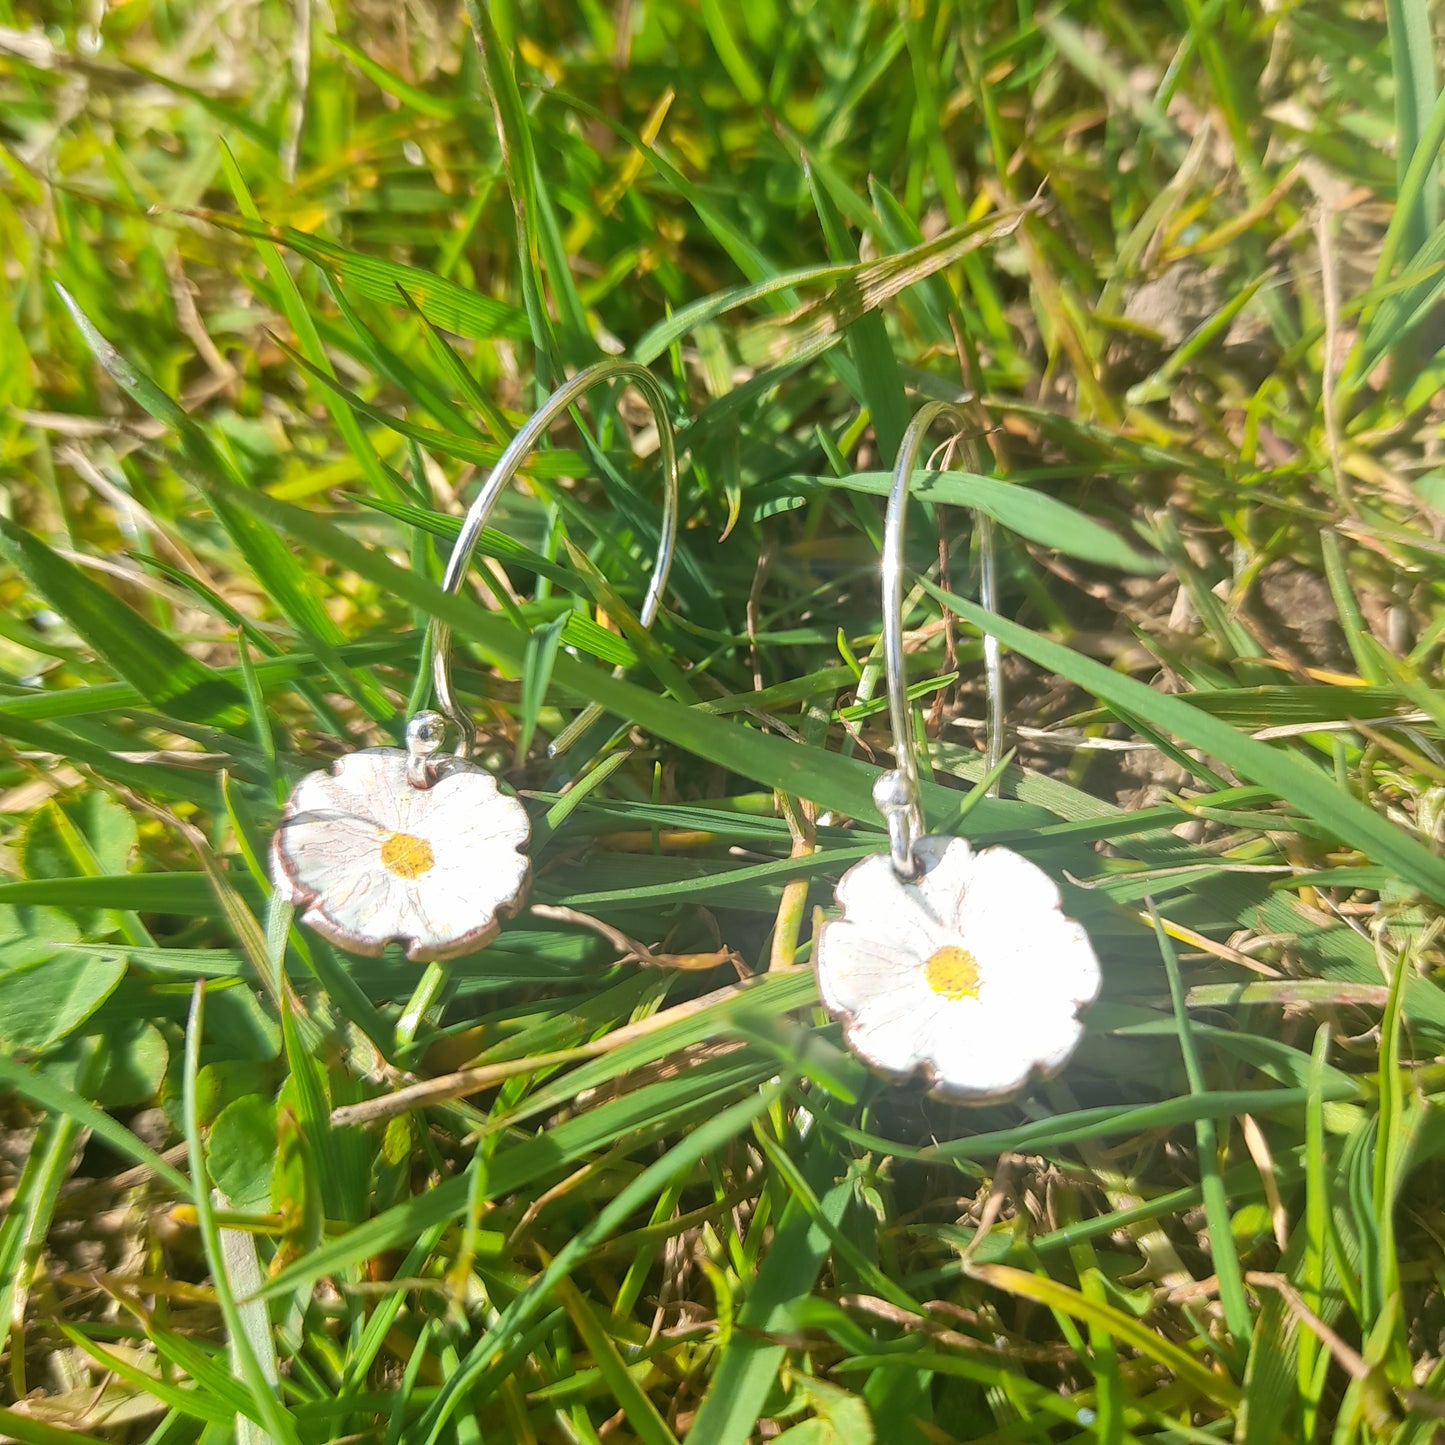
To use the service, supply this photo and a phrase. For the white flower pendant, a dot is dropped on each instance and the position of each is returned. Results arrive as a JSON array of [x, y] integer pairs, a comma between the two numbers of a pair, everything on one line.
[[395, 844], [969, 971]]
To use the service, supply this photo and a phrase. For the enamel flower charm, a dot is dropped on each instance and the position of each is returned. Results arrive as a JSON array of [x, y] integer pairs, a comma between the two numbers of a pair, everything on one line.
[[968, 972], [956, 964], [401, 845]]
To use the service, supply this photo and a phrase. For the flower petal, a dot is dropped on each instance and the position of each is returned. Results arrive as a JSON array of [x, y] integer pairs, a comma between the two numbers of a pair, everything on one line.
[[1003, 888], [853, 966], [891, 1030], [891, 911], [460, 895], [947, 866], [321, 846], [1053, 961], [978, 1052], [1009, 918], [364, 912], [370, 784], [469, 812]]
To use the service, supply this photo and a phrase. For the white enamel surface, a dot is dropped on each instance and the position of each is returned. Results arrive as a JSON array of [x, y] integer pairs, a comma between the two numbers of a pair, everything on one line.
[[326, 858], [1037, 969]]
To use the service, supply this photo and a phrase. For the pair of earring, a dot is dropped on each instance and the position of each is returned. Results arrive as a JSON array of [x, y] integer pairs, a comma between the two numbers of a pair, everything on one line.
[[414, 846], [957, 964]]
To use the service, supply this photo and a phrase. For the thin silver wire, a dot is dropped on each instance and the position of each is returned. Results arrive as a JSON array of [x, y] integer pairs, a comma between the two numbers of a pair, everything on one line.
[[508, 464], [898, 794]]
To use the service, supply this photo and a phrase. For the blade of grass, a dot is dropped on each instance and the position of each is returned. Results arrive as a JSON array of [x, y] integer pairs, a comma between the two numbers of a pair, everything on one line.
[[36, 1432], [31, 1212], [694, 1147], [751, 1359], [1309, 789], [1412, 51], [519, 160], [1182, 1365], [641, 1414], [877, 367], [828, 779], [1035, 515], [303, 325], [282, 574], [1216, 1204], [147, 658], [266, 1406], [444, 303]]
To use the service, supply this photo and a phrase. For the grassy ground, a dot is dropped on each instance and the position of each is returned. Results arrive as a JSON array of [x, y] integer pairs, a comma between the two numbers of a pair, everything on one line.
[[1184, 260]]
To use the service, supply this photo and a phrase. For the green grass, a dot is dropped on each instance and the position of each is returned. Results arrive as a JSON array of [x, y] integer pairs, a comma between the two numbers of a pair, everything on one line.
[[272, 300]]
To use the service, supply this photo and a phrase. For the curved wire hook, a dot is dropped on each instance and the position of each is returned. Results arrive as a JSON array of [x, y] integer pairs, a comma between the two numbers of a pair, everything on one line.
[[507, 466], [897, 794]]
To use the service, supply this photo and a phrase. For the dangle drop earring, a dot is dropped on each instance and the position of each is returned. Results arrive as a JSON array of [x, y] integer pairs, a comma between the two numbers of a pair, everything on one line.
[[946, 961], [412, 846]]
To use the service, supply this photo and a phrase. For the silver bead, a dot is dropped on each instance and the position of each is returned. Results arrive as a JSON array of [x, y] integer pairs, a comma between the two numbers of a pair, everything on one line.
[[890, 793], [424, 735], [895, 796]]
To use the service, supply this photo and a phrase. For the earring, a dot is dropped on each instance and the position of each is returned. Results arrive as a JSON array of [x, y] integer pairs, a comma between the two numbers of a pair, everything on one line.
[[946, 961], [406, 845]]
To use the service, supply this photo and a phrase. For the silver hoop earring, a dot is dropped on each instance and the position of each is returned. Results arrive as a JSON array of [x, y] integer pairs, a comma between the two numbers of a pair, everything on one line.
[[956, 964], [408, 845]]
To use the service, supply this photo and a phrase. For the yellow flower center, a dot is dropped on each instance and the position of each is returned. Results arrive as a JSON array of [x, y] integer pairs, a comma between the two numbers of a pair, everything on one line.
[[952, 972], [406, 855]]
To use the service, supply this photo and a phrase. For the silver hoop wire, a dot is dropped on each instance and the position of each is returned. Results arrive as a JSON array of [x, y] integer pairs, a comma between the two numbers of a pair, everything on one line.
[[506, 468], [898, 794]]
